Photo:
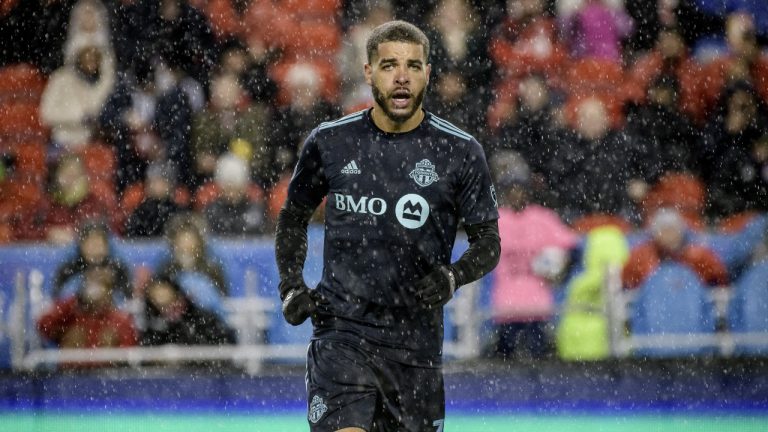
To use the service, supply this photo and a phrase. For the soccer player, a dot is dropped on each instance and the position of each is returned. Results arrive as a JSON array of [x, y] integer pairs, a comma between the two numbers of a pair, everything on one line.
[[398, 182]]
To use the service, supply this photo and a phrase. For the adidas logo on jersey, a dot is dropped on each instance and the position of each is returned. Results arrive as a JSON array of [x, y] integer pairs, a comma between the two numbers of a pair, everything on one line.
[[351, 168]]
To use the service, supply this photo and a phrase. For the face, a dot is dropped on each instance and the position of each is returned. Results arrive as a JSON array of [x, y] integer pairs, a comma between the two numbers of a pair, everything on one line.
[[186, 248], [669, 238], [94, 247], [161, 295], [89, 60], [398, 76]]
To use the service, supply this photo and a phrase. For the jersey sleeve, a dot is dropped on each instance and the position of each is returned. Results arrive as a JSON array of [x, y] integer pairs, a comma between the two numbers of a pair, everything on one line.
[[308, 185], [477, 195]]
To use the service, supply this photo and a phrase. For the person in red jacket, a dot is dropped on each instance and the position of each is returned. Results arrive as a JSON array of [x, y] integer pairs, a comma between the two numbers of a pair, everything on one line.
[[669, 241], [89, 319]]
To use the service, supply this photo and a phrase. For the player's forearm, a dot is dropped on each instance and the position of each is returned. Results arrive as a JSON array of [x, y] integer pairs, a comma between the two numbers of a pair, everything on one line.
[[481, 256], [291, 240]]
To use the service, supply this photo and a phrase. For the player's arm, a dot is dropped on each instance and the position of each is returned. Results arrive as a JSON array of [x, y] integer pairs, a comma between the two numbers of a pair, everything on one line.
[[436, 288], [476, 200], [305, 192]]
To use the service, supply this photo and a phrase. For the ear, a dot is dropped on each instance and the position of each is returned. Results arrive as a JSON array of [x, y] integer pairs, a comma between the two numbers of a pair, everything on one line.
[[368, 73], [429, 72]]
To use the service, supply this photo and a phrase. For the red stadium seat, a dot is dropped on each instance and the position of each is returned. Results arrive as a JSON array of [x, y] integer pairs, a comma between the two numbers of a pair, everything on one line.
[[20, 122], [318, 9], [208, 193], [21, 82], [99, 161], [590, 75], [30, 161], [307, 40], [589, 222]]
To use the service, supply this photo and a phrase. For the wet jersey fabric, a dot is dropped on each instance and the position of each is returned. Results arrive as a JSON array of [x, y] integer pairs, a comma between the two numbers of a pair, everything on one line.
[[393, 205]]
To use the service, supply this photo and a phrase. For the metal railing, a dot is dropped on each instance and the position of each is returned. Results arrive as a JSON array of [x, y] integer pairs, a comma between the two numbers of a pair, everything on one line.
[[249, 316]]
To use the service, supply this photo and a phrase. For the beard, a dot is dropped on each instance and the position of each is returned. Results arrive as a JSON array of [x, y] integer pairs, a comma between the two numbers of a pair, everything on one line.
[[381, 100]]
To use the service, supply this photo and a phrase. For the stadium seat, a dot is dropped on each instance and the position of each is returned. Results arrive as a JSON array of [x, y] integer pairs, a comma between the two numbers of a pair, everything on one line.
[[326, 9], [99, 161], [673, 302], [748, 308], [589, 222], [208, 192], [20, 121], [590, 75], [307, 40], [21, 82], [682, 191], [30, 163]]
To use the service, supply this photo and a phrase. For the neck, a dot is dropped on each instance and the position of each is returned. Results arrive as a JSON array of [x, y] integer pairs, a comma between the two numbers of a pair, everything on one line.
[[383, 122]]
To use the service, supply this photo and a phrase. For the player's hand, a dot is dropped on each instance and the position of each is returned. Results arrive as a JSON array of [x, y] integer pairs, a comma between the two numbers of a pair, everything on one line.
[[436, 288], [299, 302]]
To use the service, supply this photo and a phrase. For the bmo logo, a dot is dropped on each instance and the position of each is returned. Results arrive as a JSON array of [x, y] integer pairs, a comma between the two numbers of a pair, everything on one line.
[[375, 206], [411, 210]]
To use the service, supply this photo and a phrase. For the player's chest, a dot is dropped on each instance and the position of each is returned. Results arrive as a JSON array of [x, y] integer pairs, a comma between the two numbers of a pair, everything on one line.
[[391, 170]]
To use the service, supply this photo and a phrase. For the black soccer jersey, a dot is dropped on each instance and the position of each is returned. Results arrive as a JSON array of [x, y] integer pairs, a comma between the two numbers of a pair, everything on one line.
[[393, 205]]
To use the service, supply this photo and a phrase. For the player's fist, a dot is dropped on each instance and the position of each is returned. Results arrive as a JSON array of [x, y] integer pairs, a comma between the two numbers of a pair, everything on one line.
[[299, 302], [436, 288]]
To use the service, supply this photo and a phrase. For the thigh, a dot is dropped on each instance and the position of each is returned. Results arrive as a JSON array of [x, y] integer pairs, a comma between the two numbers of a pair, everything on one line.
[[412, 398], [341, 387]]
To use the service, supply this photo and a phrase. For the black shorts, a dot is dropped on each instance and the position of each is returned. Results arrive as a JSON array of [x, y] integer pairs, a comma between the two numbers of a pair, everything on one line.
[[349, 387]]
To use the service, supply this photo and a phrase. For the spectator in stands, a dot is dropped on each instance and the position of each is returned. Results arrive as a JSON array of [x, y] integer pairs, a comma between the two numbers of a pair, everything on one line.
[[176, 28], [127, 123], [74, 96], [521, 300], [582, 330], [71, 199], [90, 318], [743, 61], [661, 136], [738, 123], [305, 110], [670, 57], [173, 318], [190, 254], [453, 101], [234, 213], [92, 249], [231, 115], [525, 42], [158, 206], [741, 184], [670, 239], [596, 30], [88, 22], [686, 16], [532, 131], [590, 174], [355, 92], [457, 40]]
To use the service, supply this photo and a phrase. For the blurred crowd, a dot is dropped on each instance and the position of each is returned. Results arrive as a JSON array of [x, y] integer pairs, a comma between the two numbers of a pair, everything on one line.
[[640, 125]]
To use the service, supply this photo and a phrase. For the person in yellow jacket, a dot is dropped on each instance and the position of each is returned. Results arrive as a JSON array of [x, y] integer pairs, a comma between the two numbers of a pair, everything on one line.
[[582, 333]]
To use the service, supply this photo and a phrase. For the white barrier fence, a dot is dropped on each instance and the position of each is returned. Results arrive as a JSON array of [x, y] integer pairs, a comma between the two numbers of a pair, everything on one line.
[[249, 316]]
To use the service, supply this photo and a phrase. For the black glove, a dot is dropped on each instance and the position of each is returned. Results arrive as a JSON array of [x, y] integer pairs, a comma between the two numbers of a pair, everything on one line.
[[436, 288], [299, 302]]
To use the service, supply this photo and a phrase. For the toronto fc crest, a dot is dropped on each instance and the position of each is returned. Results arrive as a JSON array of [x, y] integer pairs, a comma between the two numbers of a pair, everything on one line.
[[316, 409], [424, 174]]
